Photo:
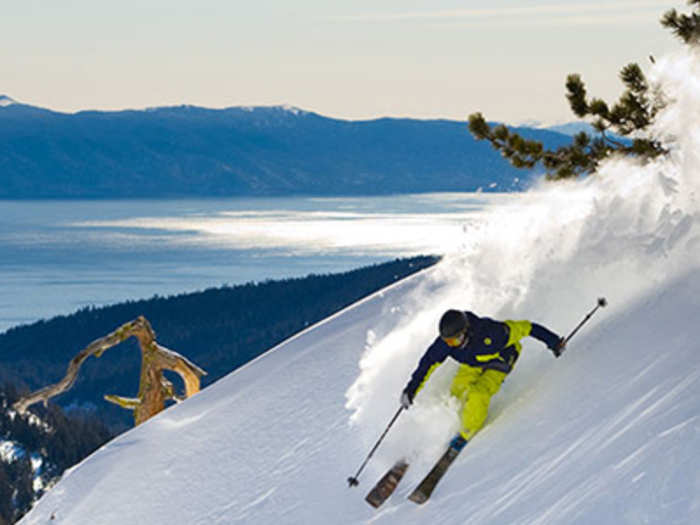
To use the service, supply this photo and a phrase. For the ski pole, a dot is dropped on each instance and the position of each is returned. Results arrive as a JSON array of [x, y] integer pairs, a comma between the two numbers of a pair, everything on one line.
[[352, 480], [602, 302]]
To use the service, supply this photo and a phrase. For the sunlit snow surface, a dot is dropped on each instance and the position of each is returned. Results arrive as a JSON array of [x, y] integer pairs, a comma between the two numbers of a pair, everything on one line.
[[607, 434]]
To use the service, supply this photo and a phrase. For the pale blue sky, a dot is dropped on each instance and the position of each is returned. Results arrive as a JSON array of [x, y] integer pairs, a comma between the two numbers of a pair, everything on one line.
[[356, 59]]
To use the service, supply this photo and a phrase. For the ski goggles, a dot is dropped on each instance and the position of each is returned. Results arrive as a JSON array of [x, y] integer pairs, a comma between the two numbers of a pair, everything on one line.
[[455, 341]]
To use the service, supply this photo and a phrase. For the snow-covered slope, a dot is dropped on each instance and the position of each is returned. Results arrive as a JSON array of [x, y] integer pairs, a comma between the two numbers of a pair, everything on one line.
[[607, 434]]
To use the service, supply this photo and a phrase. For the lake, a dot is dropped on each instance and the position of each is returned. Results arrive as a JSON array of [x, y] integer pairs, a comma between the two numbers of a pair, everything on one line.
[[59, 256]]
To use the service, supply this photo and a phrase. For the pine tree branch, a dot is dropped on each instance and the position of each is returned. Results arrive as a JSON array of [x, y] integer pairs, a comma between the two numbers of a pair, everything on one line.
[[633, 113], [685, 27]]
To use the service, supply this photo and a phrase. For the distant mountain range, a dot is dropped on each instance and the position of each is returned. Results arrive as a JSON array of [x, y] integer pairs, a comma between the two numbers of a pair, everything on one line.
[[188, 151]]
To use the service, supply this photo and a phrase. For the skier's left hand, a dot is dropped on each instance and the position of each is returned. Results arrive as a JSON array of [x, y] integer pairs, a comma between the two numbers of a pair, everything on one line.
[[558, 348]]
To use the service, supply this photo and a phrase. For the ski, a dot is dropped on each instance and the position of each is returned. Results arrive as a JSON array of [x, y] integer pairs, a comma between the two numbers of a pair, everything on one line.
[[423, 491], [386, 485]]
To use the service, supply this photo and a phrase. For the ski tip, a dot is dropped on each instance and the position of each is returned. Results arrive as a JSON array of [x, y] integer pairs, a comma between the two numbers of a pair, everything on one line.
[[387, 484], [374, 502]]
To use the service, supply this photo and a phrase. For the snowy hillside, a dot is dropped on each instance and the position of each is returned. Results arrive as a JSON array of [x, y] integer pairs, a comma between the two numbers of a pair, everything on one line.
[[607, 434]]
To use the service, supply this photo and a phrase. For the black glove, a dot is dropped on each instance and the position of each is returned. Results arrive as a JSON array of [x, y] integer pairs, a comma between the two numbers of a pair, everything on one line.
[[406, 399], [558, 348]]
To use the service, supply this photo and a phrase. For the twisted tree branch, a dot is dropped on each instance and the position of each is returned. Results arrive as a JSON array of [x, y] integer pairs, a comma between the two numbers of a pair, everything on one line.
[[154, 388]]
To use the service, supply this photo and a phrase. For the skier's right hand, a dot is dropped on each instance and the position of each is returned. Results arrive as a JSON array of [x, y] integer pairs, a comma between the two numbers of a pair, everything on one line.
[[406, 400]]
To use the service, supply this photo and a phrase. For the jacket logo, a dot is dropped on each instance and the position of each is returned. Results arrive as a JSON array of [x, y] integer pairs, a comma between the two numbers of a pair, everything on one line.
[[487, 357]]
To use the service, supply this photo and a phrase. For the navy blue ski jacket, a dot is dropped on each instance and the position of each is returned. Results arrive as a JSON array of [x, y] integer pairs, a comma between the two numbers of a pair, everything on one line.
[[490, 344]]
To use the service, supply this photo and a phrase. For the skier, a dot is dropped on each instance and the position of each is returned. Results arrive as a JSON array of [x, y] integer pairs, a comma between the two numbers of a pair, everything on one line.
[[486, 350]]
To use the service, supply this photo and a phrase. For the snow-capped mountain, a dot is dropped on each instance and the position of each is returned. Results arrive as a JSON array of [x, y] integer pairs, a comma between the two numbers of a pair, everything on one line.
[[6, 101], [606, 434], [573, 128]]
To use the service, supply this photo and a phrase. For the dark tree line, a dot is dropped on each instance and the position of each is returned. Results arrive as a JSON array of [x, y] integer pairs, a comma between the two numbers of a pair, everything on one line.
[[631, 117]]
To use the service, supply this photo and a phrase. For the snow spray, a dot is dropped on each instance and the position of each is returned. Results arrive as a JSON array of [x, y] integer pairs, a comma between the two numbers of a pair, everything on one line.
[[625, 231]]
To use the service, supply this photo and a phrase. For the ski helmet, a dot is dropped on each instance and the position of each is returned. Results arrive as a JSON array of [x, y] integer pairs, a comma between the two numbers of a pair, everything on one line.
[[453, 323]]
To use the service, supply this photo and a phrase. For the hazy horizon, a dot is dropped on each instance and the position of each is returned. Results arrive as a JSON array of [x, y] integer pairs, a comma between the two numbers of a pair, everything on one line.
[[364, 60]]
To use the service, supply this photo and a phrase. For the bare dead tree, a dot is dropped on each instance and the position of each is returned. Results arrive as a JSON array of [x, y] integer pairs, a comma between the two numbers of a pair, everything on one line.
[[154, 388]]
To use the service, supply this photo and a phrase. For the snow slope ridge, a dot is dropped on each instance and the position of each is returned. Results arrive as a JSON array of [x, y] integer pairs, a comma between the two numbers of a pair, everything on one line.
[[606, 434]]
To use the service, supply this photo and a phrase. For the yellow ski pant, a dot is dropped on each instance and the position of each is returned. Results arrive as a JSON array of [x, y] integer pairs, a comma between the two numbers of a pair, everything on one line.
[[474, 387]]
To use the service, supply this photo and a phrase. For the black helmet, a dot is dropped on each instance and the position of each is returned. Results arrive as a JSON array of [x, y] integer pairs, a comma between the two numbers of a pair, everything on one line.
[[453, 322]]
